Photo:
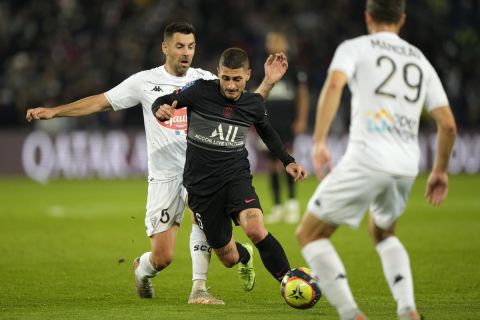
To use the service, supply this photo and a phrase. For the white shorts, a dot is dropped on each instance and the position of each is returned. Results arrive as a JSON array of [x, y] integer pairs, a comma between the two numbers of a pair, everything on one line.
[[350, 189], [165, 205]]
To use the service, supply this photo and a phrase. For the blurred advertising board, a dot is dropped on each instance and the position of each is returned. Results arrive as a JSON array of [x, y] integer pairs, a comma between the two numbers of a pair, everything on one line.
[[121, 154]]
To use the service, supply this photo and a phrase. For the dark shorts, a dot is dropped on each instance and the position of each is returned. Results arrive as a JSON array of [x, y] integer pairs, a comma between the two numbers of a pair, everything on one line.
[[214, 213]]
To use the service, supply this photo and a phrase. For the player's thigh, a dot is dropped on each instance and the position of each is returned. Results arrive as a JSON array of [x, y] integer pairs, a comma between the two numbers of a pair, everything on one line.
[[389, 205], [241, 195], [209, 213], [165, 206], [343, 196]]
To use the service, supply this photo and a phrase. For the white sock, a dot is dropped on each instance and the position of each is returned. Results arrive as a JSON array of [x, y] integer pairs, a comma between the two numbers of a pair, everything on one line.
[[145, 269], [201, 253], [325, 263], [198, 284], [396, 267]]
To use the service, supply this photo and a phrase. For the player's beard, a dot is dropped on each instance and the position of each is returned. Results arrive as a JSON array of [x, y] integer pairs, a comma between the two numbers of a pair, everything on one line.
[[182, 67]]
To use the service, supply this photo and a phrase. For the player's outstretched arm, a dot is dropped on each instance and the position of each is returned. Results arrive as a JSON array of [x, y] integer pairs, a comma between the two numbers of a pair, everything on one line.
[[82, 107], [297, 171], [275, 68], [437, 183], [327, 107]]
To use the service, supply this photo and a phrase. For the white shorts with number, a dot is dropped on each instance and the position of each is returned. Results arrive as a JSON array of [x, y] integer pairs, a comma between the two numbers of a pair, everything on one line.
[[350, 189], [165, 205]]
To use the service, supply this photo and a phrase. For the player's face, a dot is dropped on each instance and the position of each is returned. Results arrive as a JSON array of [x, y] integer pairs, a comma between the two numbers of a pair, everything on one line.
[[232, 81], [179, 50]]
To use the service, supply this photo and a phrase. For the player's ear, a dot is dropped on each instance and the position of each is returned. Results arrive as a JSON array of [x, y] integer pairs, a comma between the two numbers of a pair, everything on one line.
[[368, 18], [249, 72], [402, 20], [164, 48]]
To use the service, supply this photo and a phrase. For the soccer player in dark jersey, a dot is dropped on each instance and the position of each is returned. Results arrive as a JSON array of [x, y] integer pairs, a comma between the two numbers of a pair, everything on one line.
[[166, 153], [217, 171]]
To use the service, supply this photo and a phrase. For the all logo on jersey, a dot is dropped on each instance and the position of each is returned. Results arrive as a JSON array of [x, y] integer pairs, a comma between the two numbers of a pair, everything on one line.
[[222, 136], [230, 134], [228, 112], [177, 122]]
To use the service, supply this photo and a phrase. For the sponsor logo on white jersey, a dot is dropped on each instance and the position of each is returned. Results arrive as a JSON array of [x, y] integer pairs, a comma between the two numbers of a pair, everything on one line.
[[396, 124], [177, 122]]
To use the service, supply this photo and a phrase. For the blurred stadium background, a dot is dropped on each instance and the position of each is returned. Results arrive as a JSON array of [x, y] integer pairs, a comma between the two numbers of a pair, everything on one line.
[[54, 52]]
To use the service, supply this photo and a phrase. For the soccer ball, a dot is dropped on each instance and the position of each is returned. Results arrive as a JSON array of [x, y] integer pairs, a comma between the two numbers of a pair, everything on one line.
[[299, 289]]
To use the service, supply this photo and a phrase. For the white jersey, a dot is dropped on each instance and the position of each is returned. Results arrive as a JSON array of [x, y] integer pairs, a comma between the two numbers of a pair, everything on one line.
[[390, 81], [166, 141]]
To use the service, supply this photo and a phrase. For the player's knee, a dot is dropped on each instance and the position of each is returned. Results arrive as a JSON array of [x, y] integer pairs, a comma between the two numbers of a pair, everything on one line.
[[256, 232]]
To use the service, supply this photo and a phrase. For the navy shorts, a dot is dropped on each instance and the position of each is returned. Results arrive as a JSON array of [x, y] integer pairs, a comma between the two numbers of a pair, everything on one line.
[[214, 213]]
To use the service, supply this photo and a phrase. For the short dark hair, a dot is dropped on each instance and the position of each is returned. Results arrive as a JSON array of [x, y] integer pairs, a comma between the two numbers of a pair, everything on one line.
[[180, 27], [386, 11], [234, 58]]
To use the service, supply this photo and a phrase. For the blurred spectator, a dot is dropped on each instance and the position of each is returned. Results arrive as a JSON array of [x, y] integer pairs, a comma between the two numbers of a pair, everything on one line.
[[65, 49], [287, 108]]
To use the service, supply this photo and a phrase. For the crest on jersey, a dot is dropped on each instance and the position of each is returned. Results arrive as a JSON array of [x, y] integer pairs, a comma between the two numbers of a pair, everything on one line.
[[188, 84], [228, 112]]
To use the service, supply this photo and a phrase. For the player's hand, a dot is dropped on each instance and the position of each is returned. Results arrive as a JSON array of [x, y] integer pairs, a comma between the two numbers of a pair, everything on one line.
[[165, 112], [275, 67], [40, 114], [437, 187], [322, 161], [297, 171]]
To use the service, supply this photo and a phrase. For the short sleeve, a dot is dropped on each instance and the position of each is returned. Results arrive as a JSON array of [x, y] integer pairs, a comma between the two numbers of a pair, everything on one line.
[[344, 59], [435, 95], [126, 94]]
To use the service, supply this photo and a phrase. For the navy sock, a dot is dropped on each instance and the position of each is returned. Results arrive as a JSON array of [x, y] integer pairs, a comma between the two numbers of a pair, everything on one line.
[[243, 253], [291, 187], [273, 257], [275, 183]]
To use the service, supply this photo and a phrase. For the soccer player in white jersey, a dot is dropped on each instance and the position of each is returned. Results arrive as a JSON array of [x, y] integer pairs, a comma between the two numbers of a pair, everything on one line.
[[390, 81], [166, 145]]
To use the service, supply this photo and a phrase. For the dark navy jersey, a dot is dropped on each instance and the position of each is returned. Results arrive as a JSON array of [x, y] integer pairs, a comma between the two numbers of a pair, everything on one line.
[[217, 134]]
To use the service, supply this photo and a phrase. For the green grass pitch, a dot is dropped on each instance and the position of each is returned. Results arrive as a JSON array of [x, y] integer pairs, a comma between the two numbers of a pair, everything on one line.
[[66, 250]]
